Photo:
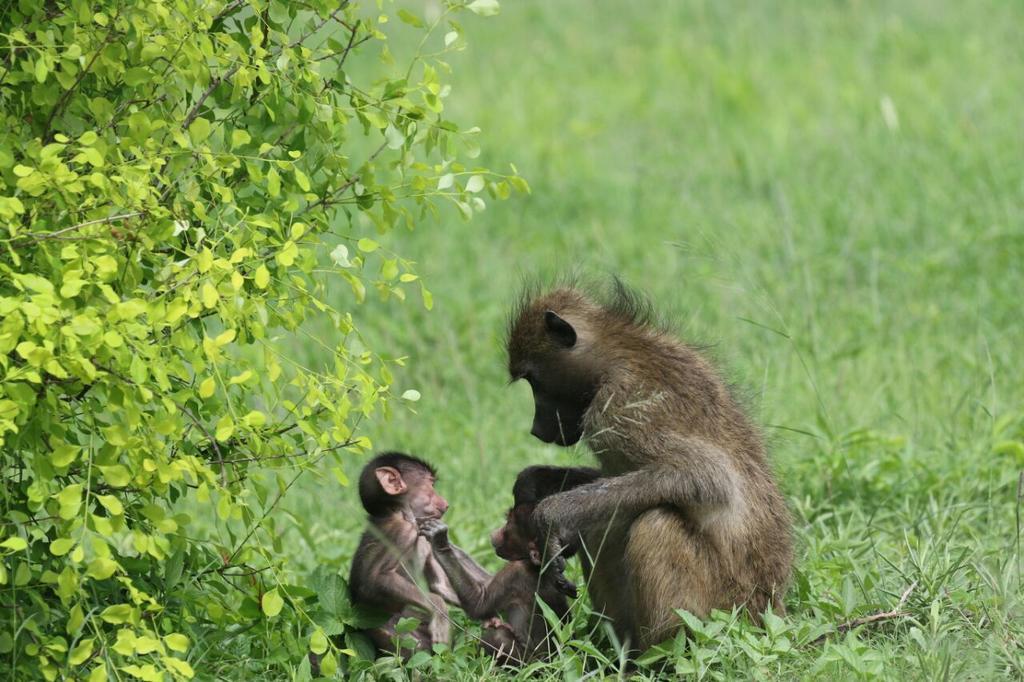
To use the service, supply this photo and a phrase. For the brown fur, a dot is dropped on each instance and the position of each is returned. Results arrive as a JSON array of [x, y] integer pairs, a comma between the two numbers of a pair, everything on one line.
[[513, 592], [689, 515], [394, 569]]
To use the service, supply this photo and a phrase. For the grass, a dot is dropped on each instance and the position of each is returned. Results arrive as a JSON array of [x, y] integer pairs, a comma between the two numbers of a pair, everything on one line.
[[830, 195]]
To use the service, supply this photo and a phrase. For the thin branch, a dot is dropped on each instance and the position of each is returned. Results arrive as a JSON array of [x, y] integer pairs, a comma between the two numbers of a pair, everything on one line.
[[146, 103], [225, 567], [66, 95], [34, 519], [228, 10], [79, 226], [194, 111], [897, 612], [291, 455], [213, 441], [329, 199], [330, 17], [351, 43], [344, 53]]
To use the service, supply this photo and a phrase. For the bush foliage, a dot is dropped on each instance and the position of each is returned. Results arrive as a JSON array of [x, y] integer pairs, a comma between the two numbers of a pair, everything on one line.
[[178, 182]]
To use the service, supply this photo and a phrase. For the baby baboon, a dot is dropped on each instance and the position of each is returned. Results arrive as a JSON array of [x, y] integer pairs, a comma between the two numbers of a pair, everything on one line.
[[514, 589], [394, 569], [687, 514]]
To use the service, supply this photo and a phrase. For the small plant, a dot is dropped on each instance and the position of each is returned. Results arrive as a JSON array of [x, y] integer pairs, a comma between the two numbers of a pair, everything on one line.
[[178, 183]]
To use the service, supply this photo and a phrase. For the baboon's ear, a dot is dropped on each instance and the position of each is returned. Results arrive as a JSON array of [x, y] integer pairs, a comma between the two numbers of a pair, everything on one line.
[[559, 330], [391, 480]]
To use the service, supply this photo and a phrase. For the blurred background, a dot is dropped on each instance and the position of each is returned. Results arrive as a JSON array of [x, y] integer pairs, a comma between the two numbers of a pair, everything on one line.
[[830, 196]]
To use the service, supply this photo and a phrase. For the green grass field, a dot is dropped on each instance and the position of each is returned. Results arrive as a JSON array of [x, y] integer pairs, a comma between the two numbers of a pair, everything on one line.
[[830, 196]]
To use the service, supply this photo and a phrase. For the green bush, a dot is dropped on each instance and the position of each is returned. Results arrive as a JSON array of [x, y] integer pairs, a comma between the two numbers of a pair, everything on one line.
[[178, 183]]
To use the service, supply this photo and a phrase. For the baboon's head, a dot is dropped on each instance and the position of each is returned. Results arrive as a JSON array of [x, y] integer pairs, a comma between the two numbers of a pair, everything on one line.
[[551, 346]]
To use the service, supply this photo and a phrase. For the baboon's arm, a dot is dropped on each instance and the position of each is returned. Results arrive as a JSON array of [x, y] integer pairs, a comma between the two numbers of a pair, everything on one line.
[[474, 569], [688, 474], [440, 578], [395, 587], [479, 598]]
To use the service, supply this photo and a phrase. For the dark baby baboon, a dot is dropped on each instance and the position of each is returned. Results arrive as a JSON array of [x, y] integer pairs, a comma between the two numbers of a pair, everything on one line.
[[687, 514], [394, 569], [513, 591]]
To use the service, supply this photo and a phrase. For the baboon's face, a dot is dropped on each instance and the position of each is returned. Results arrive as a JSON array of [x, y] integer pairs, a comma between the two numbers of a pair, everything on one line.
[[511, 542], [559, 406], [563, 381]]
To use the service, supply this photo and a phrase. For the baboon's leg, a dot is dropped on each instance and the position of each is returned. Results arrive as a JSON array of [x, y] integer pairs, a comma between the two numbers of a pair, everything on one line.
[[440, 626], [604, 570], [668, 567]]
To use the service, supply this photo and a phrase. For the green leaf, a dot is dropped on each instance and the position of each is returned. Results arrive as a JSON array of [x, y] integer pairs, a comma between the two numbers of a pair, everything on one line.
[[254, 419], [272, 603], [340, 256], [225, 427], [262, 277], [111, 504], [367, 245], [101, 568], [199, 130], [301, 180], [406, 625], [14, 543], [484, 8], [119, 613], [318, 642], [329, 665], [273, 182], [210, 296], [286, 256], [394, 138], [239, 138], [116, 476], [81, 653], [411, 19], [61, 546], [176, 642]]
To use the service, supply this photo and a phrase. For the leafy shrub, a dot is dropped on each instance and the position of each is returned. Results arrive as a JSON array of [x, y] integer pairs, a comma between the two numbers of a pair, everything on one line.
[[178, 181]]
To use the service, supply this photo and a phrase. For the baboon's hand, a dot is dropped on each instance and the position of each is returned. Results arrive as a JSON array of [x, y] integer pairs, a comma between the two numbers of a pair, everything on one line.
[[435, 531], [496, 624], [565, 586], [547, 518], [553, 564]]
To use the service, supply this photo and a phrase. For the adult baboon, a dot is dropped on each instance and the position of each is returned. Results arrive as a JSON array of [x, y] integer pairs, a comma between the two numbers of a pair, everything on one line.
[[688, 514]]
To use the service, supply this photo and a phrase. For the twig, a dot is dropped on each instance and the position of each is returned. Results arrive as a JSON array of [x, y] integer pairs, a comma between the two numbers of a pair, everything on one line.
[[34, 519], [212, 440], [330, 17], [329, 199], [66, 95], [351, 40], [194, 111], [291, 455], [79, 226], [229, 9], [897, 612], [344, 53]]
